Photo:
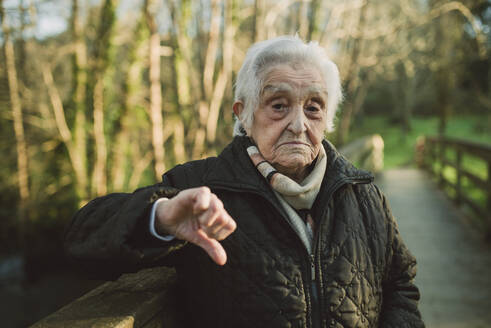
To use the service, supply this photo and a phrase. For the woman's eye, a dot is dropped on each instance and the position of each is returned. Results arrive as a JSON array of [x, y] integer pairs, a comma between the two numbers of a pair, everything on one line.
[[278, 106], [312, 108]]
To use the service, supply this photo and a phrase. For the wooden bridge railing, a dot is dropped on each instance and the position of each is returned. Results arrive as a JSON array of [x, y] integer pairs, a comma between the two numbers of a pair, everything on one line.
[[146, 299], [366, 152], [433, 155]]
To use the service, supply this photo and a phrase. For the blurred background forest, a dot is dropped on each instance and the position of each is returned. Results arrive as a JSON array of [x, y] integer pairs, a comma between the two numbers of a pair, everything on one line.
[[104, 95]]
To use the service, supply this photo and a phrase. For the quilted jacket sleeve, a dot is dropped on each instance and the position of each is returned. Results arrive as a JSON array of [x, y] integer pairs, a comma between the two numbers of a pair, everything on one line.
[[401, 296], [110, 235]]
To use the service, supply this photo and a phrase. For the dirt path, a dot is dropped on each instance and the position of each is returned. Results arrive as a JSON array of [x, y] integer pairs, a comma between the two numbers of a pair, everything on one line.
[[454, 266]]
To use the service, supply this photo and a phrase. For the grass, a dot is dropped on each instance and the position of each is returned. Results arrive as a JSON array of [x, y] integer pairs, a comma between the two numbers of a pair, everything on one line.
[[467, 187], [399, 147]]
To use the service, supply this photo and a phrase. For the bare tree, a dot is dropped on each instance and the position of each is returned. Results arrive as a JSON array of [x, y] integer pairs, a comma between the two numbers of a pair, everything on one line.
[[101, 62], [133, 87], [155, 90], [352, 75], [17, 115], [225, 73], [79, 84], [313, 14]]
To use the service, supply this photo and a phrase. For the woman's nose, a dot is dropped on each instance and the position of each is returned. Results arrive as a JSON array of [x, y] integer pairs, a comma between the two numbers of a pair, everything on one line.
[[298, 122]]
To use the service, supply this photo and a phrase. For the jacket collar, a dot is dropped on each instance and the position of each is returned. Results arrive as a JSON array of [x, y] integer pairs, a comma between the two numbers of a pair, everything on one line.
[[234, 169]]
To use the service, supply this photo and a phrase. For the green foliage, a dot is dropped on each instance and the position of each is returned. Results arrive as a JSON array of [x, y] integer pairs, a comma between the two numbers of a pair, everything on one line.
[[399, 147]]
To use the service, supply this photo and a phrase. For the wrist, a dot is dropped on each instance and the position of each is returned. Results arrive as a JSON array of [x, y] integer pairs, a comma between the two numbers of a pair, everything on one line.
[[161, 216]]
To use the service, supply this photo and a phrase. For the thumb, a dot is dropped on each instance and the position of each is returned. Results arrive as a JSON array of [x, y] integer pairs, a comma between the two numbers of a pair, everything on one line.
[[212, 247]]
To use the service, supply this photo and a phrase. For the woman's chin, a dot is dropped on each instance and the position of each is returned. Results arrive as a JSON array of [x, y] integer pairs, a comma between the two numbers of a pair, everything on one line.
[[296, 157], [293, 164]]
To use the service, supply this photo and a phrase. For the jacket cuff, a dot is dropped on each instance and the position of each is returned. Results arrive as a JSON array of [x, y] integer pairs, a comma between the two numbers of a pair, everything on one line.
[[153, 232]]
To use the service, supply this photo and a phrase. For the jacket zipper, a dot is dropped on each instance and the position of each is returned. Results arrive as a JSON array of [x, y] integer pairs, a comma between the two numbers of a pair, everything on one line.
[[314, 289], [311, 263], [316, 292], [315, 318], [315, 256]]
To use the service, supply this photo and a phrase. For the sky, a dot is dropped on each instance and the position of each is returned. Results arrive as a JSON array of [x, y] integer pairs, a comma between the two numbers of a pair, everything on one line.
[[51, 16]]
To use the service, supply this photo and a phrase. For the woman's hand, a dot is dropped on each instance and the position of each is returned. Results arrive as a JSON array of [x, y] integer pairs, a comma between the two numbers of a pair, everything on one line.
[[196, 215]]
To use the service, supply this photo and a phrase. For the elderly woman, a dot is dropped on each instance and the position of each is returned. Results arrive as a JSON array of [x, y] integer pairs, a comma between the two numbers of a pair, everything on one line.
[[279, 230]]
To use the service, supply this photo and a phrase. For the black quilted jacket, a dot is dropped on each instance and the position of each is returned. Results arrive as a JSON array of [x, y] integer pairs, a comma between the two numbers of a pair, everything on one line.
[[359, 275]]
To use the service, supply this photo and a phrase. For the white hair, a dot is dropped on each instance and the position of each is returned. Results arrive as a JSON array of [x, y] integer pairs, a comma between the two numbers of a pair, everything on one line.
[[282, 50]]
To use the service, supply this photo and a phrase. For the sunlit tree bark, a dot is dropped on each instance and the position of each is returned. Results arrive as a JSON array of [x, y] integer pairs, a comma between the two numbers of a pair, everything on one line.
[[101, 62], [208, 79], [132, 86], [21, 44], [79, 69], [155, 91], [188, 87], [258, 21], [313, 14], [99, 177], [17, 115], [353, 79], [60, 120], [225, 74]]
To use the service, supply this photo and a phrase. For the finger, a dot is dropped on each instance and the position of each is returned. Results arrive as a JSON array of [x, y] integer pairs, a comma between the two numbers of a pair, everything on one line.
[[223, 227], [223, 233], [210, 220], [212, 247], [201, 200]]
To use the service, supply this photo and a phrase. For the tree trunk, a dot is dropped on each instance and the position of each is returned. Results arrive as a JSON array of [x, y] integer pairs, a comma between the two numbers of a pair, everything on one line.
[[208, 81], [225, 74], [258, 21], [186, 89], [60, 120], [155, 94], [443, 78], [17, 115], [179, 151], [312, 30], [353, 79], [101, 61], [212, 49], [132, 83], [21, 46], [302, 22], [79, 68], [99, 178]]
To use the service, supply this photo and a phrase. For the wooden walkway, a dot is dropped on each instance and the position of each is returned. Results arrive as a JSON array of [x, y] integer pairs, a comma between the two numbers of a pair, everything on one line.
[[454, 266]]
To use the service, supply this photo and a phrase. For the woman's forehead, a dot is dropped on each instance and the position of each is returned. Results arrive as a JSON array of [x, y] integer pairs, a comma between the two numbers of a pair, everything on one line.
[[285, 87], [284, 78]]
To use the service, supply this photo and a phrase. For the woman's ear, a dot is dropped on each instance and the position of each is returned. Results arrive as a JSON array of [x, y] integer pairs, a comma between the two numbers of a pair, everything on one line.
[[238, 107]]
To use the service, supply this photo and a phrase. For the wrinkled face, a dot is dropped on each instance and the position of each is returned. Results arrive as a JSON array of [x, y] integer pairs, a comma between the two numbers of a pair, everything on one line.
[[289, 123]]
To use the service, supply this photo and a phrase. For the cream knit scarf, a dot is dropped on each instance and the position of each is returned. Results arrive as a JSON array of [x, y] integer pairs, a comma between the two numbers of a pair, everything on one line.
[[292, 195]]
